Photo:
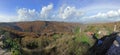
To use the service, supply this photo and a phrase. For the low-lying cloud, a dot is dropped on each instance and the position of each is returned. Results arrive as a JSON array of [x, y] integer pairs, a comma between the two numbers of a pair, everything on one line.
[[109, 16]]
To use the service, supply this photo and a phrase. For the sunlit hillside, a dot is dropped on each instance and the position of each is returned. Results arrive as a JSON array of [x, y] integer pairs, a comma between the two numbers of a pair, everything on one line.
[[51, 38]]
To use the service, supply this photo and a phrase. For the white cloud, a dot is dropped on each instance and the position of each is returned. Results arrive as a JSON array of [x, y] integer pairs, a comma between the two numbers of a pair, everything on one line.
[[109, 14], [5, 18], [45, 11], [27, 14], [69, 12], [63, 13]]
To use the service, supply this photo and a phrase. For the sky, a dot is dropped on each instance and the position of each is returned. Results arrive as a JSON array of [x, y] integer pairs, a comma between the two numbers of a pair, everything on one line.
[[83, 11]]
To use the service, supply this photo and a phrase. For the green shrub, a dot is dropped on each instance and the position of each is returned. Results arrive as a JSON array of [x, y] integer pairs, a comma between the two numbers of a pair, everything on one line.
[[55, 36], [2, 31], [77, 30], [32, 45], [11, 45], [15, 52]]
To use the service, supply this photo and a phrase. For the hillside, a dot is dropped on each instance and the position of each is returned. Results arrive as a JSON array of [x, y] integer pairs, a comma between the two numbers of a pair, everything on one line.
[[51, 38], [58, 27], [41, 26]]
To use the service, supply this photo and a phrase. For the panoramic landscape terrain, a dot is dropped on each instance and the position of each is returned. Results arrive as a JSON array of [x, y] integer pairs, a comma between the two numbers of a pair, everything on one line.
[[50, 38], [59, 27]]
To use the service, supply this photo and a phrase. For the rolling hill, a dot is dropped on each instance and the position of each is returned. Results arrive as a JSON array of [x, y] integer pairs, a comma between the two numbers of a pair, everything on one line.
[[41, 28], [51, 38]]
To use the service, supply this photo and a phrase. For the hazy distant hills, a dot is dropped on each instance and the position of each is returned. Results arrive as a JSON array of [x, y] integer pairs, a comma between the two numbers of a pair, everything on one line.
[[40, 26], [49, 26]]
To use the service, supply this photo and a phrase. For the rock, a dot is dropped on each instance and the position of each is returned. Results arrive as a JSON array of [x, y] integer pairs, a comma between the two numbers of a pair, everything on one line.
[[114, 50], [1, 44], [4, 52]]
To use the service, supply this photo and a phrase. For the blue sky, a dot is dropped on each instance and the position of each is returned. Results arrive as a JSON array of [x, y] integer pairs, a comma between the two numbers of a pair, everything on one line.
[[60, 10]]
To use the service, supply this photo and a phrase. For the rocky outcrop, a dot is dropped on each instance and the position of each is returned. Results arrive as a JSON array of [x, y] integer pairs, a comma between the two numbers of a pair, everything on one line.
[[115, 48], [3, 51]]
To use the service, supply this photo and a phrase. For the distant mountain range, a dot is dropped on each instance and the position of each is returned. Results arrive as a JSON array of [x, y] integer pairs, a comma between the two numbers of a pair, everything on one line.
[[43, 27]]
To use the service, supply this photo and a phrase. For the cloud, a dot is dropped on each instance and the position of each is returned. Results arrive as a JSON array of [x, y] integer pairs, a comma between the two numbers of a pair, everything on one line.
[[46, 13], [5, 18], [109, 14], [62, 13], [25, 14], [46, 10], [66, 12]]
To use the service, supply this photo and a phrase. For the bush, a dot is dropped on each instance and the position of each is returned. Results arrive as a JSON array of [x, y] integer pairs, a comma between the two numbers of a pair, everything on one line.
[[77, 30], [11, 45], [78, 48], [2, 31], [32, 45], [56, 36]]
